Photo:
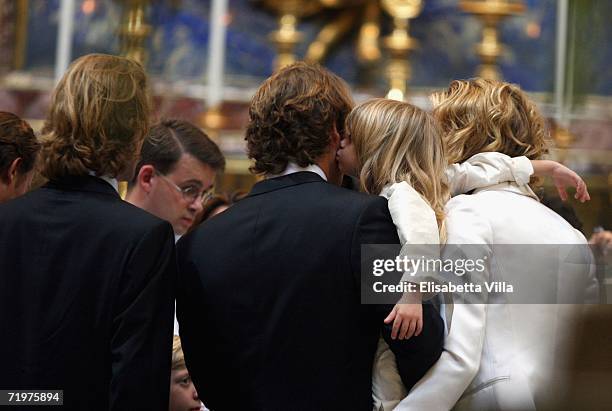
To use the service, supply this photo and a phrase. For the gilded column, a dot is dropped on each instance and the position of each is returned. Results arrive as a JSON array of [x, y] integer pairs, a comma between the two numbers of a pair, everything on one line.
[[491, 12], [399, 44], [13, 34], [134, 30], [287, 36]]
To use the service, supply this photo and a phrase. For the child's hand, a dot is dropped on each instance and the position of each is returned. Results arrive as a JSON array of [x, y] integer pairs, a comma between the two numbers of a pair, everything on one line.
[[564, 177], [407, 320]]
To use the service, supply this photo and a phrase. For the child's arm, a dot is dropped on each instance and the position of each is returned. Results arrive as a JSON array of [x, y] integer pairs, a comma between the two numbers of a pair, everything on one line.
[[490, 168], [418, 232], [485, 169]]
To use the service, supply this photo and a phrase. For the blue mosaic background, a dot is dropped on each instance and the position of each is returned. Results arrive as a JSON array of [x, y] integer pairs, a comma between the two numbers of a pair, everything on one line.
[[178, 44]]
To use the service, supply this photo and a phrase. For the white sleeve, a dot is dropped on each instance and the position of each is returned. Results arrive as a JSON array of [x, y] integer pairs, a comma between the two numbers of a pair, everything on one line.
[[415, 220], [485, 169], [447, 380], [417, 228], [416, 225]]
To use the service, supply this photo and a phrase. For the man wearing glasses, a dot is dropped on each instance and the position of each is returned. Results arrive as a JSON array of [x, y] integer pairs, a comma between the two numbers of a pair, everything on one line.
[[176, 173]]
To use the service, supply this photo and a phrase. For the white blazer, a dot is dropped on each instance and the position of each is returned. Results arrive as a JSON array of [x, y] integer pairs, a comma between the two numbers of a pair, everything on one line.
[[500, 356], [416, 224]]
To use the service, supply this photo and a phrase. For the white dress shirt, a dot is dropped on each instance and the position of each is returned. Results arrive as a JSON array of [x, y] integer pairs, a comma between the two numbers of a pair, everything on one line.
[[110, 180], [294, 168]]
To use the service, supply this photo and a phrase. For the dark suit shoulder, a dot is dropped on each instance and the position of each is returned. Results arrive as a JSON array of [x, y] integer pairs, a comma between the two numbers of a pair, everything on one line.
[[106, 212], [349, 200], [317, 203], [135, 216]]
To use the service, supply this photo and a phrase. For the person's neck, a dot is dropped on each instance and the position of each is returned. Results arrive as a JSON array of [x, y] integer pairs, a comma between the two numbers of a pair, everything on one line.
[[3, 197], [135, 198], [7, 191], [329, 167]]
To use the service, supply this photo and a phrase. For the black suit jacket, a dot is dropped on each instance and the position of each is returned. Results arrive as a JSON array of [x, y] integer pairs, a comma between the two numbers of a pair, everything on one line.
[[269, 298], [86, 297]]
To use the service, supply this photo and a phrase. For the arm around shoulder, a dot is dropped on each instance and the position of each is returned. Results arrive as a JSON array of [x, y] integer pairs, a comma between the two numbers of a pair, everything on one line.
[[485, 169]]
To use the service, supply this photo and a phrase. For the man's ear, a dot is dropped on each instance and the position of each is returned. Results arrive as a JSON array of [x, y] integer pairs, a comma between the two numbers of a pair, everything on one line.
[[145, 177], [13, 170]]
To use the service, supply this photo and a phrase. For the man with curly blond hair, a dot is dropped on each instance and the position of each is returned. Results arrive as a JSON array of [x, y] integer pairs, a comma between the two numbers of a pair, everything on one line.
[[87, 291], [269, 294]]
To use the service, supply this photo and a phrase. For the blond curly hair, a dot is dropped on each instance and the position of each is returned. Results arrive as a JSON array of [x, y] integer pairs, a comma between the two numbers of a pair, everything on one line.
[[482, 115], [98, 117], [396, 141]]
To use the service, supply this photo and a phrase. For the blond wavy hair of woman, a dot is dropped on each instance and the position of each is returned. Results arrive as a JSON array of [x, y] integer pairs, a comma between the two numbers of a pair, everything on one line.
[[396, 141], [98, 118], [481, 115]]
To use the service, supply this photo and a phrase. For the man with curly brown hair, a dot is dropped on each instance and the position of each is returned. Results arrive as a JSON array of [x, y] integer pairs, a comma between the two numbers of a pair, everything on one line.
[[269, 295]]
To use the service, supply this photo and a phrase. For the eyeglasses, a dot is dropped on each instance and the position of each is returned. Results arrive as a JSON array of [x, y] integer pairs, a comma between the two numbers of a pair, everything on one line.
[[190, 193]]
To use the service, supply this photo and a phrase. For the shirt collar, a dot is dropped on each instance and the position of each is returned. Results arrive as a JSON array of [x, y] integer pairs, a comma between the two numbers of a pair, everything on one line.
[[294, 168], [110, 180]]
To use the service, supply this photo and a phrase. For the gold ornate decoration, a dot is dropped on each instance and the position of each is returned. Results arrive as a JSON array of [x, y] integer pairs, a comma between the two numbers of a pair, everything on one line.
[[18, 15], [330, 34], [340, 3], [399, 44], [491, 12], [134, 30], [368, 50], [8, 17], [21, 34], [133, 34], [343, 16], [563, 139], [287, 36], [213, 121]]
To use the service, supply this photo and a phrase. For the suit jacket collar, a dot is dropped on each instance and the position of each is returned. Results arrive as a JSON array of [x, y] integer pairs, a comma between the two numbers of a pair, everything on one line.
[[84, 183], [294, 168], [277, 183]]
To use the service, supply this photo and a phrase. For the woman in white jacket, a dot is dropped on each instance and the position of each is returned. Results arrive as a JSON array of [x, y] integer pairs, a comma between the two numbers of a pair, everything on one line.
[[500, 355], [503, 356], [398, 147]]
